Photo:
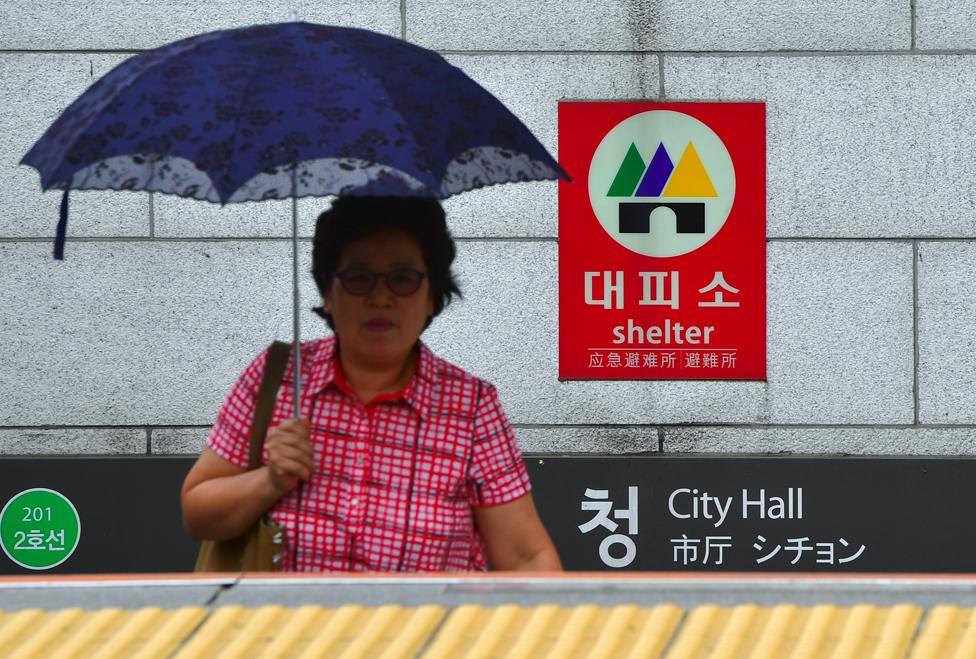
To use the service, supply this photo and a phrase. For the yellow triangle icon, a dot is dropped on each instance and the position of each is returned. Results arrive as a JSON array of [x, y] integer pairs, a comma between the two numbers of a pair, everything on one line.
[[690, 178]]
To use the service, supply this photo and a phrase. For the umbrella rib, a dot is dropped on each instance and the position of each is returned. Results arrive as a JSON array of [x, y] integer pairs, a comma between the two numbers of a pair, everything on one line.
[[255, 65], [97, 115], [300, 39], [372, 75], [252, 75]]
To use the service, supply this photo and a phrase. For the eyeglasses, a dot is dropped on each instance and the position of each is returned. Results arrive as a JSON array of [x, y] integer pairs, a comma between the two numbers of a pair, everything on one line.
[[362, 281]]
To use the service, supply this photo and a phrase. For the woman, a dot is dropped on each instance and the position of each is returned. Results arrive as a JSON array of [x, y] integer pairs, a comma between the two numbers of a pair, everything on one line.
[[400, 460]]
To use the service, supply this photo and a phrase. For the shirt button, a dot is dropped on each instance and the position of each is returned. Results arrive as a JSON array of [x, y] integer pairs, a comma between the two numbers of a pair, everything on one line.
[[355, 501], [360, 461]]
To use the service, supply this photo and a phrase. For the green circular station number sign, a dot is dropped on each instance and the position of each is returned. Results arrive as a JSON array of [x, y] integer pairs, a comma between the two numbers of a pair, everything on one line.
[[39, 528]]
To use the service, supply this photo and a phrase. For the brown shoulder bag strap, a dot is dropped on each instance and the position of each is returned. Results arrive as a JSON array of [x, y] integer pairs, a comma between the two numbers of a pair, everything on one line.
[[274, 371]]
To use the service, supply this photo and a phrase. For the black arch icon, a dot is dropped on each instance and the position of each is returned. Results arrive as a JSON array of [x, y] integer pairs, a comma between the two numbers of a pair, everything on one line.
[[635, 217]]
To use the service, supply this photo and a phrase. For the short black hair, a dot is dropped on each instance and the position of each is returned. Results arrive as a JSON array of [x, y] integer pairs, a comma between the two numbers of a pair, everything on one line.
[[354, 218]]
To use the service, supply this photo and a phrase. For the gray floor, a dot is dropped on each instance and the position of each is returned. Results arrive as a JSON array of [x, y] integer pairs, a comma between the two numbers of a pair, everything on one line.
[[643, 590]]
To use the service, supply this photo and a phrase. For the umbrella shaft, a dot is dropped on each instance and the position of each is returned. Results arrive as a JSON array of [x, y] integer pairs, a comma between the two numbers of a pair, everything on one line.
[[294, 277]]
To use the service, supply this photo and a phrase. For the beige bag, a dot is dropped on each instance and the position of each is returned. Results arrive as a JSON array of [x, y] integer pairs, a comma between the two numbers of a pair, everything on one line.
[[259, 548]]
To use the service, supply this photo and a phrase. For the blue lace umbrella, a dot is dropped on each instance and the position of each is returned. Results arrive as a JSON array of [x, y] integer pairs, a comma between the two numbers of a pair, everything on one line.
[[286, 111]]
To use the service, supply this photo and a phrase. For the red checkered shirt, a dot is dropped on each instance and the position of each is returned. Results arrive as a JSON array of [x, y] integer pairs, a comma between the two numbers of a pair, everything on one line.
[[395, 481]]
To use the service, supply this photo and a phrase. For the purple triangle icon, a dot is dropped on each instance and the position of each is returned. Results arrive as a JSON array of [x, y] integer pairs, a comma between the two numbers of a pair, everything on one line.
[[657, 174]]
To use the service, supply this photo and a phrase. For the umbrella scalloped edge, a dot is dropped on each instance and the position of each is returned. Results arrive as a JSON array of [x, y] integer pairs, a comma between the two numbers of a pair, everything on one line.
[[322, 177]]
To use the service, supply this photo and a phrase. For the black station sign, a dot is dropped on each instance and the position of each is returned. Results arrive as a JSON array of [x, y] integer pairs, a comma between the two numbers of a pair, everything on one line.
[[759, 514], [670, 513]]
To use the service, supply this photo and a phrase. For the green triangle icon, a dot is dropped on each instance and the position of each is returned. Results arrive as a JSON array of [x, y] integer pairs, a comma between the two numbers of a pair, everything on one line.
[[629, 175]]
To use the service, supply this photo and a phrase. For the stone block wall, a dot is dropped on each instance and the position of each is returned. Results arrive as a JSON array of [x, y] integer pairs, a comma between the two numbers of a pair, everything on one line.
[[130, 344]]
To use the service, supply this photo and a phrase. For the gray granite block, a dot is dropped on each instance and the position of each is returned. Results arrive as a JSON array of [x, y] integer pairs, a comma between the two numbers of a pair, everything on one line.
[[946, 333], [945, 24], [840, 343], [822, 441], [178, 441], [34, 90], [139, 333], [521, 210], [177, 217], [593, 439], [857, 146], [143, 24], [73, 441], [535, 439], [531, 84], [660, 25]]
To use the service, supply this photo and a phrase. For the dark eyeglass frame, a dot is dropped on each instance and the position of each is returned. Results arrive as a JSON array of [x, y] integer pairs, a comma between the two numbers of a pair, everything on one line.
[[396, 289]]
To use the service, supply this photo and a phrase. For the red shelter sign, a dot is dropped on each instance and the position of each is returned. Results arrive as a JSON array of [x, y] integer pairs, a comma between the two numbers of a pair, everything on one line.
[[662, 241]]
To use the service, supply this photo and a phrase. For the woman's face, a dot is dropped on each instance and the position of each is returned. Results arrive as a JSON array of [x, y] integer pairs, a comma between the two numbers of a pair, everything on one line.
[[379, 328]]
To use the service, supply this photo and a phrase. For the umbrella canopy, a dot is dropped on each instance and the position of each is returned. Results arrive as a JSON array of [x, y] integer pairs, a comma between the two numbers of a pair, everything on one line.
[[287, 110]]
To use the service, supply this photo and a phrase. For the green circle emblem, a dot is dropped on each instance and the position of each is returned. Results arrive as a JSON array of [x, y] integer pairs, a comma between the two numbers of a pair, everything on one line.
[[39, 529], [660, 164]]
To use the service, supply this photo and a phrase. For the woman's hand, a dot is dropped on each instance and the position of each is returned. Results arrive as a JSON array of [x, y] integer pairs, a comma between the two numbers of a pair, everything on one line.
[[289, 454], [221, 500]]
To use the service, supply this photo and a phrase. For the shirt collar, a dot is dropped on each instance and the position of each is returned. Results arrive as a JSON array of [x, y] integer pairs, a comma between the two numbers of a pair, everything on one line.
[[322, 356]]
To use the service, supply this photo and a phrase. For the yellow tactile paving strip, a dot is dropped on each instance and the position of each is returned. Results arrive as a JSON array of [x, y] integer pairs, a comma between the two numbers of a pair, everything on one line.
[[553, 631], [471, 631], [146, 633]]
